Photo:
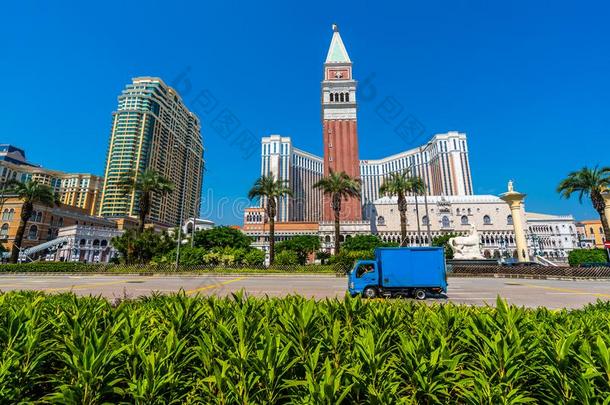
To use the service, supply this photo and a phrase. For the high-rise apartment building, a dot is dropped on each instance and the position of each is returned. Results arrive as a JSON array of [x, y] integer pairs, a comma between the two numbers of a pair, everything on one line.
[[81, 190], [153, 129]]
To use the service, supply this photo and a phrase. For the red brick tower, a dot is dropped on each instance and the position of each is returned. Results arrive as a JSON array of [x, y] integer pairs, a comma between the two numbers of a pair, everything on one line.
[[339, 124]]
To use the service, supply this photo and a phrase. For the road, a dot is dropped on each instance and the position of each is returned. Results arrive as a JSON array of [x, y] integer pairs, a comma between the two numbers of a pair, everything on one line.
[[476, 291]]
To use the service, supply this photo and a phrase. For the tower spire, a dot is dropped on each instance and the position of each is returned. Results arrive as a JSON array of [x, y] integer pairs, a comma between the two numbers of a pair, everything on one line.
[[337, 52]]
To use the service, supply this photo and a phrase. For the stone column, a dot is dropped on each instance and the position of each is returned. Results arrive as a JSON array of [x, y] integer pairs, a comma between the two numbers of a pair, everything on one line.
[[515, 202]]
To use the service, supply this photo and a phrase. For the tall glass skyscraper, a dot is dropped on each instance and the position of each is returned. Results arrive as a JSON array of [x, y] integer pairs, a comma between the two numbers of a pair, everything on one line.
[[153, 129]]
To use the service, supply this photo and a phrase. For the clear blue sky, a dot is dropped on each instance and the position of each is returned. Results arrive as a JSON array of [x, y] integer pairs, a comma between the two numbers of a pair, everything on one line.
[[529, 82]]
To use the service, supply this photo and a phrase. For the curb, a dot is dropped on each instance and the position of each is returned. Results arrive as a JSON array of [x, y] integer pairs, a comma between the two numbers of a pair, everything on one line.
[[528, 277], [179, 274]]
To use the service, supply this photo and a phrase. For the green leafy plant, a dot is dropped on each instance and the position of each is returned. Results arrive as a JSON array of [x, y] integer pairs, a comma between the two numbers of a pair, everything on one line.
[[286, 257], [178, 349]]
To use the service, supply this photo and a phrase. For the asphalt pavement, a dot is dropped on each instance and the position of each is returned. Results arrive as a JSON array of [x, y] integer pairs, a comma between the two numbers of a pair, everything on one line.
[[475, 291]]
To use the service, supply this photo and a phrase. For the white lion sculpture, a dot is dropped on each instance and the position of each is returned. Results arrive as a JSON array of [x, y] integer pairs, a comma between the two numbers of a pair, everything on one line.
[[466, 247]]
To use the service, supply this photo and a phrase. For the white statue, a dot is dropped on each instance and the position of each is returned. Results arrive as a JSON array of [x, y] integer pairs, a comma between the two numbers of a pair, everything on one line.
[[510, 186], [466, 247]]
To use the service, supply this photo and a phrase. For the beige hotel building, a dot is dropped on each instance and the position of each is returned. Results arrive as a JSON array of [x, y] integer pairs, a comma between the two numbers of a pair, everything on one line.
[[153, 129]]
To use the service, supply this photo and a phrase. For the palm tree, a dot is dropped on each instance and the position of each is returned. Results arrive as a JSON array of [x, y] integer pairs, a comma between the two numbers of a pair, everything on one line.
[[417, 187], [269, 190], [399, 184], [146, 184], [339, 186], [30, 192], [591, 183]]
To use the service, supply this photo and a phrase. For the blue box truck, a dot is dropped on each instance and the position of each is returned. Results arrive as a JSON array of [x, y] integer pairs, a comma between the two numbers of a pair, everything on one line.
[[405, 271]]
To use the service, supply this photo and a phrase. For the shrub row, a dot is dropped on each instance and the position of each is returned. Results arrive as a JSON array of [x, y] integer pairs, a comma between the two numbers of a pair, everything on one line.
[[179, 349], [76, 267]]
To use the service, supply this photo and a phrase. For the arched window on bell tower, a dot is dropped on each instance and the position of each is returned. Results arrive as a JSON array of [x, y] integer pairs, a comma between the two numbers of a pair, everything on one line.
[[347, 97], [342, 97], [332, 97]]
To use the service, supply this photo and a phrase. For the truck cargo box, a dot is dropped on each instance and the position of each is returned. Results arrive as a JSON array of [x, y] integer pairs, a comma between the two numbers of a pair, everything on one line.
[[413, 267]]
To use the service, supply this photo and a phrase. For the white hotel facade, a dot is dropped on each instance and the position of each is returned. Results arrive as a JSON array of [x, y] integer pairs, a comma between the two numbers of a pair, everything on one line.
[[442, 163]]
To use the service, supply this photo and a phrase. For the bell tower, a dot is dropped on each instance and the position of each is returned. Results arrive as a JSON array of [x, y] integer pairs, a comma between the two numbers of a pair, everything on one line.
[[339, 123]]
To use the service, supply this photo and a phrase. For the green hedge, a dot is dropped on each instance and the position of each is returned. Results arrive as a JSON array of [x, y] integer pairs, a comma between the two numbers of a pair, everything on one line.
[[579, 256], [74, 267], [192, 350]]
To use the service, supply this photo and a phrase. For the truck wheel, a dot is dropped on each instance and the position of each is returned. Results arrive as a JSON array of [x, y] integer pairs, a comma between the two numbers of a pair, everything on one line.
[[420, 294], [369, 292]]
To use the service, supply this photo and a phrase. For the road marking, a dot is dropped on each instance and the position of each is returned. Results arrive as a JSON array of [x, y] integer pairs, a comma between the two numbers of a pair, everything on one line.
[[208, 287], [82, 286], [567, 290]]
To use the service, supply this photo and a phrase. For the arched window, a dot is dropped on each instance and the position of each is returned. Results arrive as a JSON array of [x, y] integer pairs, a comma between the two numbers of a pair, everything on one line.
[[332, 97], [5, 214], [82, 242], [486, 220], [60, 222], [11, 214], [96, 243], [468, 211], [39, 216], [380, 221], [33, 233], [4, 231], [445, 221], [509, 219], [327, 238], [424, 220], [347, 97], [591, 230], [464, 220], [341, 97]]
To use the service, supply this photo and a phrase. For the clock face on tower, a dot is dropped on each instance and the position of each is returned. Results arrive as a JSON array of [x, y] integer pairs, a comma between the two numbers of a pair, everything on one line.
[[337, 74]]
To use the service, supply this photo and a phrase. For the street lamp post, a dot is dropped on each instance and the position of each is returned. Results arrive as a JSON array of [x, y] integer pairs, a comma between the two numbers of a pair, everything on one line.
[[421, 153]]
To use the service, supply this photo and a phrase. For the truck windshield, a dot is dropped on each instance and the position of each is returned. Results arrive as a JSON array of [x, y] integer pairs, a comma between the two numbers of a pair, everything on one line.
[[363, 269]]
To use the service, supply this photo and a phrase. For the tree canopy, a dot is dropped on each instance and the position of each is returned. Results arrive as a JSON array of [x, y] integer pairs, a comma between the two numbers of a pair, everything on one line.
[[302, 245], [364, 242], [221, 236]]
